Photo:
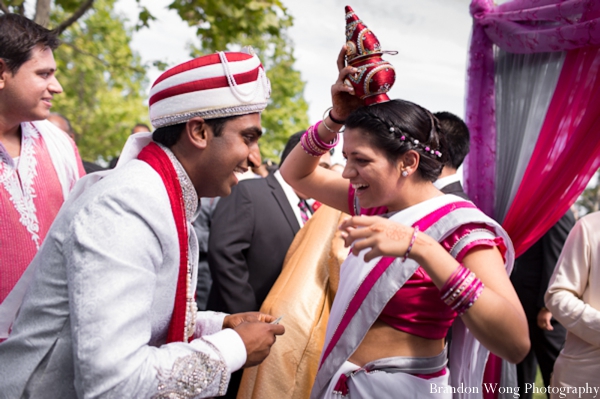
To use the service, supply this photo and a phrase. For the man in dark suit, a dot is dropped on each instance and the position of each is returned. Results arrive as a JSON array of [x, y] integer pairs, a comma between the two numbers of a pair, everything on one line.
[[456, 134], [530, 278], [250, 233]]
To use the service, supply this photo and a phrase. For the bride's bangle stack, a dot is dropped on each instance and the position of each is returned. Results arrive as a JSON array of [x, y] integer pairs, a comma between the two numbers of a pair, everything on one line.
[[461, 290], [313, 145]]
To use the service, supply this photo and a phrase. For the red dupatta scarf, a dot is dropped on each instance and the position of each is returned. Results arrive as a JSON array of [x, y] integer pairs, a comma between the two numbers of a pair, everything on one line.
[[154, 156]]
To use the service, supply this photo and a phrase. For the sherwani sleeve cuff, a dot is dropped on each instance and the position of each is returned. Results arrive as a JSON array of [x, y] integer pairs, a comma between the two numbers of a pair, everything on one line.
[[231, 346], [208, 323]]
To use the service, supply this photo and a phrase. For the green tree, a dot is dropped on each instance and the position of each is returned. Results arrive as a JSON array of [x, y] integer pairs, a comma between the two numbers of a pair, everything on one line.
[[263, 25], [589, 201], [43, 10], [104, 82], [287, 112]]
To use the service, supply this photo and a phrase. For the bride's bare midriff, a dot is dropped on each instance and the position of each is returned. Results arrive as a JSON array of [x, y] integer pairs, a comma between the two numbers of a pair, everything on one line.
[[384, 341]]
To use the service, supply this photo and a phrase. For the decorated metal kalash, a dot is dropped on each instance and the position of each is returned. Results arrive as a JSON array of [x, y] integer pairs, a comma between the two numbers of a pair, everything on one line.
[[375, 76]]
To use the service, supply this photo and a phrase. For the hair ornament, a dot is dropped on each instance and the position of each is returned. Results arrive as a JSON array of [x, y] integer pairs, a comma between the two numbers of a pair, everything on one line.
[[416, 142]]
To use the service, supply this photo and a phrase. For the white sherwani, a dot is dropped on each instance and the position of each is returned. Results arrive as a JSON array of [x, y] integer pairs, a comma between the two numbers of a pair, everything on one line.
[[95, 318]]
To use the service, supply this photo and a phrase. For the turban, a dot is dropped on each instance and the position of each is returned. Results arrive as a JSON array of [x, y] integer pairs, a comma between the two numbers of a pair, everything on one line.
[[212, 86]]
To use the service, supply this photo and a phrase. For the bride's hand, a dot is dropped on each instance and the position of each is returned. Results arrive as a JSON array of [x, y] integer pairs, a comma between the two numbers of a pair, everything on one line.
[[342, 95], [384, 237]]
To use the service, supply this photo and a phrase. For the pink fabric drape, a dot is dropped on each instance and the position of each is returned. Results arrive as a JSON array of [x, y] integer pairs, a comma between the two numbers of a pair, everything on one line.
[[522, 26], [535, 26], [568, 147], [566, 155], [480, 165]]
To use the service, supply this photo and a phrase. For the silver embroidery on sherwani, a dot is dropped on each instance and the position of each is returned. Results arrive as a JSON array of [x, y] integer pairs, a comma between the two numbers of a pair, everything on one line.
[[190, 197], [190, 376]]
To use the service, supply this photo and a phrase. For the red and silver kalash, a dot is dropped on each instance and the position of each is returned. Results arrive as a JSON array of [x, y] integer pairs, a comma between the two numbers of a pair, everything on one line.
[[375, 76]]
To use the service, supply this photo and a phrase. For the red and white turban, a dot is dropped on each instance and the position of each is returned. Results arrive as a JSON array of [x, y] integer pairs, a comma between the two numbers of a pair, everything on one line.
[[211, 86]]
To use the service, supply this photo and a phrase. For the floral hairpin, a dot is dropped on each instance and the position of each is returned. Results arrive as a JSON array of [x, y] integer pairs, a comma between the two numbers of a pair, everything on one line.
[[406, 137]]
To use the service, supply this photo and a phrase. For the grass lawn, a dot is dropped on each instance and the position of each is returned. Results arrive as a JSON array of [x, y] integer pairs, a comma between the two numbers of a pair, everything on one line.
[[539, 382]]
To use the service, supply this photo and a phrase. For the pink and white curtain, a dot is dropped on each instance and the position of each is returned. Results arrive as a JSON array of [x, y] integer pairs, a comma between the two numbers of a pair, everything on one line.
[[533, 109]]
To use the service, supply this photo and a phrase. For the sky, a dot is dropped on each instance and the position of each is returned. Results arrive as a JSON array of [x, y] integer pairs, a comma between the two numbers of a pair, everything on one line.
[[431, 37]]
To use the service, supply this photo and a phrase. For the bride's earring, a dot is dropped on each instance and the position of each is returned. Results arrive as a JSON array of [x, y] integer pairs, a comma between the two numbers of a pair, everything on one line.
[[404, 173]]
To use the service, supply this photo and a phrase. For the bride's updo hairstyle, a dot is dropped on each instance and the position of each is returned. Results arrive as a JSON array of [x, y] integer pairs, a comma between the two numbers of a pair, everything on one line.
[[398, 126]]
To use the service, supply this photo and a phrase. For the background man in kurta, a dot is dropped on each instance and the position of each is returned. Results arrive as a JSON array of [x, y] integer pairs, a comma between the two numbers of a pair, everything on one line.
[[110, 311], [39, 164]]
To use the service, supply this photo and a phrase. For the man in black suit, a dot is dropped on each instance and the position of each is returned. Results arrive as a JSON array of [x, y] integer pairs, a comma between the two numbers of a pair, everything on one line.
[[456, 134], [530, 278], [250, 233]]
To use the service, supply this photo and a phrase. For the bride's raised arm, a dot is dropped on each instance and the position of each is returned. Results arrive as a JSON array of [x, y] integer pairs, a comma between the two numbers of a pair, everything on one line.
[[300, 167]]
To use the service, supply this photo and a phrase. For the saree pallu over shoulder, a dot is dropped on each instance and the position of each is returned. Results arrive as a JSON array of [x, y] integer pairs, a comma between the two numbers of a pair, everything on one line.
[[366, 287]]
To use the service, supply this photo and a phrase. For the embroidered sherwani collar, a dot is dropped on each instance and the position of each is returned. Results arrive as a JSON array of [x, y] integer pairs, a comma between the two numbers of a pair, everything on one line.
[[190, 197]]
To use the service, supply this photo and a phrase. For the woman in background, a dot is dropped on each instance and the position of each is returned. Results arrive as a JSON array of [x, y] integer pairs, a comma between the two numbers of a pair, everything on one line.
[[573, 298]]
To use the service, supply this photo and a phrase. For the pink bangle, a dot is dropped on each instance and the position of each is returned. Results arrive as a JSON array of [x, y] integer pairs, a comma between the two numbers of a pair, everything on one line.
[[306, 147], [309, 137], [313, 145], [455, 295], [308, 144], [462, 294], [473, 296], [321, 143], [454, 281], [461, 290], [412, 242]]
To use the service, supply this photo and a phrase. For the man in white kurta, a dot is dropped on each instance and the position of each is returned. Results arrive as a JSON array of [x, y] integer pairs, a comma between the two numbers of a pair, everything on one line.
[[573, 297], [96, 319]]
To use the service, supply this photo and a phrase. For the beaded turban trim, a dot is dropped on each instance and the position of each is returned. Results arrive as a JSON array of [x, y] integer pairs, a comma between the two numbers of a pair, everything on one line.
[[212, 86]]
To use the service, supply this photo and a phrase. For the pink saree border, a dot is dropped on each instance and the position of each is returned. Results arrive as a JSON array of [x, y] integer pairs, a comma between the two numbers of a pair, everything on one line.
[[374, 275]]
